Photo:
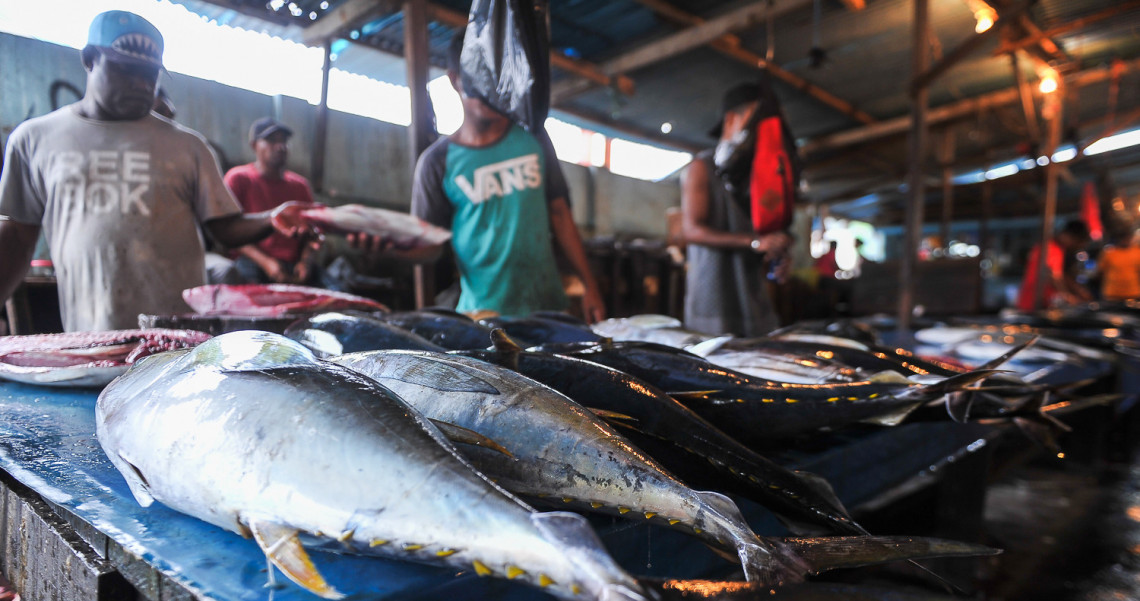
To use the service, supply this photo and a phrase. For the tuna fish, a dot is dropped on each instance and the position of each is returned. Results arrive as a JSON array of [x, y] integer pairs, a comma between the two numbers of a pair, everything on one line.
[[337, 333], [85, 359], [250, 432], [404, 230], [451, 330], [563, 451], [272, 300], [536, 329], [673, 434]]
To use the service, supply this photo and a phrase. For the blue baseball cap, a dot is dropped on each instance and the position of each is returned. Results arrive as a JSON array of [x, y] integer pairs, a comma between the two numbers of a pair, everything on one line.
[[126, 37]]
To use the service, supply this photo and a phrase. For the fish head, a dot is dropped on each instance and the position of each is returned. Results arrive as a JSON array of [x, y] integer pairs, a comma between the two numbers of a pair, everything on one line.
[[250, 350]]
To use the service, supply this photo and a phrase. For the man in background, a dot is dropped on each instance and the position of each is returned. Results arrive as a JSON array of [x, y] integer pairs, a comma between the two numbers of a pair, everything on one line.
[[119, 191], [726, 289], [264, 185], [502, 194], [1060, 287]]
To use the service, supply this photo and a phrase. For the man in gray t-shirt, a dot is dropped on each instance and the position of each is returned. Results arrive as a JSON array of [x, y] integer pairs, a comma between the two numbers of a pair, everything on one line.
[[119, 191]]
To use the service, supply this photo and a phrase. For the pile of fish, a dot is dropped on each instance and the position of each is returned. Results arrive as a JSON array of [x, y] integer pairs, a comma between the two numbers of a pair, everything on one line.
[[440, 458]]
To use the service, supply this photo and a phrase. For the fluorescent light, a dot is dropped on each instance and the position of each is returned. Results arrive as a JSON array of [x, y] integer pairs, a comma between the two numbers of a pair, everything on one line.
[[1002, 171], [1064, 154], [1114, 142], [666, 127]]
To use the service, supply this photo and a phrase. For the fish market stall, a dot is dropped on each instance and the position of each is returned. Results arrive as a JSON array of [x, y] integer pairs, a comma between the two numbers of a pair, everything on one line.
[[48, 451]]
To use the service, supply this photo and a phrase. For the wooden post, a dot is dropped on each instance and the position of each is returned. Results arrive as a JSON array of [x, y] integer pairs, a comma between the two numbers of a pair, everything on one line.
[[946, 158], [914, 209], [422, 129], [1054, 113], [1027, 106], [321, 134], [987, 214]]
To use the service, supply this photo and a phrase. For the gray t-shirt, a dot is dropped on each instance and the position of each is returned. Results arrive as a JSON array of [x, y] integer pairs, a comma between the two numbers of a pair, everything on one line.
[[120, 203]]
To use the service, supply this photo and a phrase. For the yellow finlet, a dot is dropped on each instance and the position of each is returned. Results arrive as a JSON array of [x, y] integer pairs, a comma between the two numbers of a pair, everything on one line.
[[481, 568], [514, 572], [446, 552], [650, 514], [412, 547], [791, 401], [574, 588], [376, 542], [347, 534], [697, 530], [567, 499], [623, 510], [544, 580], [595, 505], [674, 522]]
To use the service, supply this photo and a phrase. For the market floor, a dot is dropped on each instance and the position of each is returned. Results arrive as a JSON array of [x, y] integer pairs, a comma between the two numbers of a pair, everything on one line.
[[1070, 533]]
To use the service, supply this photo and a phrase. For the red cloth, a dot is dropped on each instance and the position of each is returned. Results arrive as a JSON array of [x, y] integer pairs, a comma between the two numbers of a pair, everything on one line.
[[257, 193], [1090, 211], [826, 265], [1054, 262], [772, 186]]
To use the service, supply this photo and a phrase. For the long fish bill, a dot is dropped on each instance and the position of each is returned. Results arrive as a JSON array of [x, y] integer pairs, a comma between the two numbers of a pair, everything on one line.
[[829, 553]]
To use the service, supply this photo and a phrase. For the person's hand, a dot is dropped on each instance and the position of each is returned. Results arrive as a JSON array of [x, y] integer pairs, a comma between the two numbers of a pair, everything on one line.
[[290, 220], [274, 272], [300, 272], [369, 243], [781, 266], [593, 307], [775, 243]]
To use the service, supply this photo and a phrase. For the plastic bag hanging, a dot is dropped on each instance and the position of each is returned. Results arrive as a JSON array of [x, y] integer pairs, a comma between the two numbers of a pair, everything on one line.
[[506, 59]]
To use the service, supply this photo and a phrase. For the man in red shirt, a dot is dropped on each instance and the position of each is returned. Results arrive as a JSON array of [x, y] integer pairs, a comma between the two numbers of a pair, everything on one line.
[[1058, 285], [263, 185]]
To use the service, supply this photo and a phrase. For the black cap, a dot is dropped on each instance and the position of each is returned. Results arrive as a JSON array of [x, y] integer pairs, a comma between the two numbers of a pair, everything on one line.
[[265, 127], [737, 96]]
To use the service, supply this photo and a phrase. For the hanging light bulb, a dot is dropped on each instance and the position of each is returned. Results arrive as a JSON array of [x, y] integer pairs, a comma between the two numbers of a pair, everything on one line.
[[1048, 83], [986, 17]]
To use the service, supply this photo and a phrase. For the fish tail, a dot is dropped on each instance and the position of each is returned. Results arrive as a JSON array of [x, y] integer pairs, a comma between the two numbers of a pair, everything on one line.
[[572, 534], [771, 563], [823, 554]]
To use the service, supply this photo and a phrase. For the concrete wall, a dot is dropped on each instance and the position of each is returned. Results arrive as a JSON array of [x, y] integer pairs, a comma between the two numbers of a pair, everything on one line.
[[366, 160]]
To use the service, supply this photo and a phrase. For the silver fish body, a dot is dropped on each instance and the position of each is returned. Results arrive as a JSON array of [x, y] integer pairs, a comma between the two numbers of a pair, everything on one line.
[[562, 450], [253, 434]]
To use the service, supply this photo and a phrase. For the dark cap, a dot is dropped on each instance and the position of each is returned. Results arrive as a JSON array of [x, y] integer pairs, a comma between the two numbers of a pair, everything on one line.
[[125, 37], [735, 97], [265, 127]]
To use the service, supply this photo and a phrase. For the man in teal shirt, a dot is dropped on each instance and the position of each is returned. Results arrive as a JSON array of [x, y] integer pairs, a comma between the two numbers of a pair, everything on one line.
[[501, 193]]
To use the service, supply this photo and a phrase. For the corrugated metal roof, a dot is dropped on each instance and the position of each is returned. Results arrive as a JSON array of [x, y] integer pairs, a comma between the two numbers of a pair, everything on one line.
[[868, 63]]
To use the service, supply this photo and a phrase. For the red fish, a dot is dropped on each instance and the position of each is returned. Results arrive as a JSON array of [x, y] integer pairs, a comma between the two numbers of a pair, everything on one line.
[[85, 358], [272, 300]]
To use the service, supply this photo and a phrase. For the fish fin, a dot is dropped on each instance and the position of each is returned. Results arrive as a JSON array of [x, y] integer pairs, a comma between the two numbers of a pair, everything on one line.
[[951, 384], [829, 553], [894, 417], [958, 405], [822, 488], [710, 346], [137, 483], [1069, 406], [612, 416], [283, 548], [507, 347], [889, 377], [771, 563], [998, 361], [459, 434]]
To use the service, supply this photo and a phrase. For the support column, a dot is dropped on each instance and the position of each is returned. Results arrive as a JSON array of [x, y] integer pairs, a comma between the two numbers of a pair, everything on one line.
[[422, 129], [914, 208], [946, 159], [1053, 111], [320, 135]]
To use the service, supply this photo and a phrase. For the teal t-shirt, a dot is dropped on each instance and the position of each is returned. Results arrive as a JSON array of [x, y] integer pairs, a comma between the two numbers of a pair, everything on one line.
[[495, 201]]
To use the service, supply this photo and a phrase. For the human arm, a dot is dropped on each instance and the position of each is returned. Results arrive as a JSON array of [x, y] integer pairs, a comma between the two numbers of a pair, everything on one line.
[[17, 244], [695, 214], [570, 243], [381, 249], [240, 229]]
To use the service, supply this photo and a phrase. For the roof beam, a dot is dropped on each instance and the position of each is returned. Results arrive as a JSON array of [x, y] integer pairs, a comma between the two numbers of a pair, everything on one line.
[[346, 16], [583, 69], [699, 35], [964, 49], [950, 111], [730, 45], [1033, 38], [854, 5]]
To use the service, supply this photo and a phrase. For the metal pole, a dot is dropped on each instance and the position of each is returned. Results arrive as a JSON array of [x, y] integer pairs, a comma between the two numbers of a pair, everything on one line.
[[422, 128], [914, 208], [320, 136], [1054, 113], [946, 158]]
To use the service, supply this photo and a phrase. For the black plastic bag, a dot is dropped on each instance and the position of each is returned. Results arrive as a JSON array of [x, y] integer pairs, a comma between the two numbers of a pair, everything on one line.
[[506, 59]]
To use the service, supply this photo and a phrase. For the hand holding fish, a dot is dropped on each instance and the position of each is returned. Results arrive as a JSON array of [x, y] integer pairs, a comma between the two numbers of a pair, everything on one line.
[[289, 219]]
